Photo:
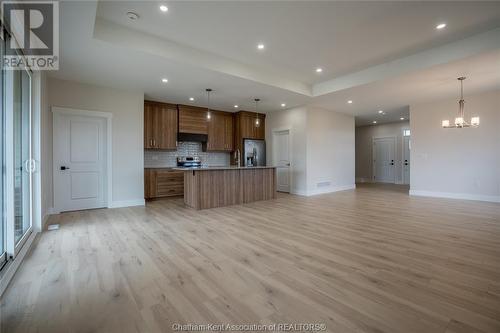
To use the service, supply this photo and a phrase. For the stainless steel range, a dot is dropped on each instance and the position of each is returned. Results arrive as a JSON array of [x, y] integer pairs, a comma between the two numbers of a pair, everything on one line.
[[188, 161]]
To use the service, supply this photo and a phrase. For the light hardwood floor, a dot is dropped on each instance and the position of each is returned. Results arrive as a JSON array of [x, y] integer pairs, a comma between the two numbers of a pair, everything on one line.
[[369, 260]]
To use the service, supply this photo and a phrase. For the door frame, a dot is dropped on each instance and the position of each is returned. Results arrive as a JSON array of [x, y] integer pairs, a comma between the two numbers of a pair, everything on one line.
[[290, 141], [108, 117], [403, 155], [393, 138]]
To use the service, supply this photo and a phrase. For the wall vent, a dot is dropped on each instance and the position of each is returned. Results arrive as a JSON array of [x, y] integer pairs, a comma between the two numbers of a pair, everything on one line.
[[323, 184]]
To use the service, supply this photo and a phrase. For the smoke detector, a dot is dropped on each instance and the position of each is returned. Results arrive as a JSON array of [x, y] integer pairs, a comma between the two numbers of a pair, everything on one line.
[[132, 16]]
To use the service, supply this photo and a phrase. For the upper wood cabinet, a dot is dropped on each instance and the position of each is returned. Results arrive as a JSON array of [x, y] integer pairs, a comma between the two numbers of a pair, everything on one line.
[[229, 131], [160, 126], [246, 127], [220, 131], [193, 120]]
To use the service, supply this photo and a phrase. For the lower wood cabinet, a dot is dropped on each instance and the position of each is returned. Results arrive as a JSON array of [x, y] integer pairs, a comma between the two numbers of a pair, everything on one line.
[[160, 183]]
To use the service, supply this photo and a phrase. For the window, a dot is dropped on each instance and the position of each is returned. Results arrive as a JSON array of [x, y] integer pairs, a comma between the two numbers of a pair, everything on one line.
[[406, 132]]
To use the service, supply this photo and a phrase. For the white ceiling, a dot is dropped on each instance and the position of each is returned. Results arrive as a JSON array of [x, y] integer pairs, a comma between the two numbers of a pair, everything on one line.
[[340, 37], [213, 44]]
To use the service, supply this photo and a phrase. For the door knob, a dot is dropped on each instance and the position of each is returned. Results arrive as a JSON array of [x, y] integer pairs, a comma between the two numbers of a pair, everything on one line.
[[64, 168]]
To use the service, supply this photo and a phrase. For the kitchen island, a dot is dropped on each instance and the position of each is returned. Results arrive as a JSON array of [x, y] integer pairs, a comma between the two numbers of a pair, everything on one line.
[[210, 187]]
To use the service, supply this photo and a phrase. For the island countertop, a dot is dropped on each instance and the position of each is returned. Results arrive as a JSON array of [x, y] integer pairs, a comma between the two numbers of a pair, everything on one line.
[[229, 167]]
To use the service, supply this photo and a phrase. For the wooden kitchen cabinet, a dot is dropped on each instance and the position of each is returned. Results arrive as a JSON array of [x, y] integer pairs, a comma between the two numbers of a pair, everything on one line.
[[160, 126], [229, 132], [160, 183], [220, 132], [193, 120], [244, 128]]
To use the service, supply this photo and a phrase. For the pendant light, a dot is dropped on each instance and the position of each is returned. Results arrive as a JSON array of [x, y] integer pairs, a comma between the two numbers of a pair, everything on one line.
[[208, 90], [460, 121], [257, 120]]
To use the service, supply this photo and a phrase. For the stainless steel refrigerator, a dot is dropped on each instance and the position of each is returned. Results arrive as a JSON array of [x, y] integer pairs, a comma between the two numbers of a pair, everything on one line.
[[254, 152]]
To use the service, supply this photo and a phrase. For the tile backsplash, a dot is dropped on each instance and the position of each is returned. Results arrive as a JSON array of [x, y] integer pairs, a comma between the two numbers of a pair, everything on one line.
[[159, 159]]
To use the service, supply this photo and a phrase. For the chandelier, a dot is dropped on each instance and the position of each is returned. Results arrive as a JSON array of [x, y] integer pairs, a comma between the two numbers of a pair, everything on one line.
[[460, 121]]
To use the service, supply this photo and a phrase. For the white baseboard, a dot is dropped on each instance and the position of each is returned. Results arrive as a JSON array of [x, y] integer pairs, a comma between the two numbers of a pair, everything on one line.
[[363, 180], [127, 203], [298, 192], [330, 189], [46, 216], [11, 268], [461, 196]]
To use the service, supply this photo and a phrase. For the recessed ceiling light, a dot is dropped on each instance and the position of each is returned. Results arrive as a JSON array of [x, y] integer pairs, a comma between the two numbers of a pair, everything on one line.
[[164, 80], [380, 111], [319, 70], [191, 99], [132, 16], [260, 46], [349, 102], [441, 26], [402, 118], [374, 121], [283, 105], [164, 8], [236, 106]]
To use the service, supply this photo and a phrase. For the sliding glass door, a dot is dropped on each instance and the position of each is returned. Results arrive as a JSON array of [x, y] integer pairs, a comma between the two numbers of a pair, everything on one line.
[[16, 185], [22, 154], [3, 255]]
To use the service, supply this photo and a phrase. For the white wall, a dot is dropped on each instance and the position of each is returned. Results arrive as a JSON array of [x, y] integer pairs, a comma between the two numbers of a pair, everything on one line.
[[296, 121], [456, 163], [364, 151], [127, 135], [330, 151], [322, 148]]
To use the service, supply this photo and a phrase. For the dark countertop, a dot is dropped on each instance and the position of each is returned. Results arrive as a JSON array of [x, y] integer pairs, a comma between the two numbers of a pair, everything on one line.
[[230, 167]]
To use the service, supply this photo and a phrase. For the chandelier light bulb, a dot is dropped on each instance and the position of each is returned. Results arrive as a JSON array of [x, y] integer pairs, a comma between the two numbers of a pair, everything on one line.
[[459, 121], [446, 123], [474, 121]]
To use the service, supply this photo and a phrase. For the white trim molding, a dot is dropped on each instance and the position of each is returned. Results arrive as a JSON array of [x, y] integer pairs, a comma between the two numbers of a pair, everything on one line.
[[8, 272], [330, 189], [300, 192], [363, 180], [127, 203], [461, 196]]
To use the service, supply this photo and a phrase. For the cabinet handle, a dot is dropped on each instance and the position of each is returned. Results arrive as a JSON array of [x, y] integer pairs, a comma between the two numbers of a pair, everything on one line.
[[154, 143], [151, 143]]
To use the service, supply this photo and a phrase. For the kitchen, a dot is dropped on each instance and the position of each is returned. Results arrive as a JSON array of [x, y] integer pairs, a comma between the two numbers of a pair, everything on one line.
[[212, 158]]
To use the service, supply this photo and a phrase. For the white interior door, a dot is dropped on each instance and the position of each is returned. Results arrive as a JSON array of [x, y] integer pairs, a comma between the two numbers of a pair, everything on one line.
[[383, 160], [406, 160], [79, 162], [281, 152]]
